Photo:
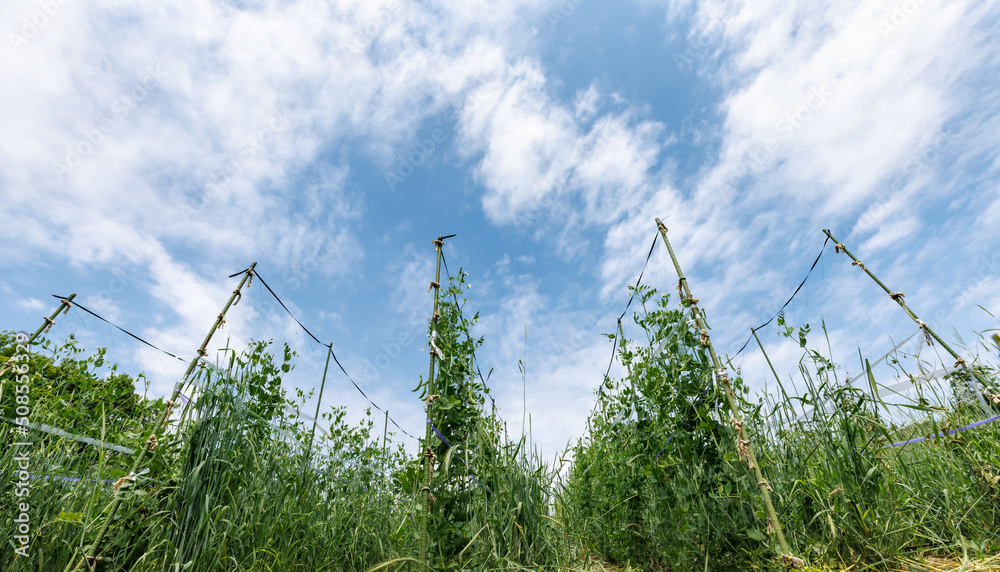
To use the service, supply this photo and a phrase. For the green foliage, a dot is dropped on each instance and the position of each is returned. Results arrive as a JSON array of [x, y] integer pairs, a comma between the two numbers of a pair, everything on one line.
[[686, 502], [654, 480], [490, 496]]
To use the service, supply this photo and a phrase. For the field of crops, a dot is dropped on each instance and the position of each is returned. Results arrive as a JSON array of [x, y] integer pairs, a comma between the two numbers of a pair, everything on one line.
[[682, 467]]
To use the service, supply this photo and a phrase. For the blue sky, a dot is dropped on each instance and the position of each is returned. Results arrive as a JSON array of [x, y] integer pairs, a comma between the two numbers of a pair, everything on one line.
[[151, 151]]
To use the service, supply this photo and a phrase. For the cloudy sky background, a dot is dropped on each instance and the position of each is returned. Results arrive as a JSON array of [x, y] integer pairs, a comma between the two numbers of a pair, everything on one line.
[[149, 151]]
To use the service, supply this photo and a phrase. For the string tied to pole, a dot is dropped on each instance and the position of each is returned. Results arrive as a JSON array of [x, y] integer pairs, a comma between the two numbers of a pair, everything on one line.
[[743, 448], [202, 352], [222, 320], [704, 337], [50, 323], [239, 296], [792, 562], [737, 423], [680, 284], [839, 248], [92, 562], [692, 301], [433, 285], [859, 263], [766, 485], [130, 478], [151, 442], [67, 305], [960, 363], [927, 335], [897, 296]]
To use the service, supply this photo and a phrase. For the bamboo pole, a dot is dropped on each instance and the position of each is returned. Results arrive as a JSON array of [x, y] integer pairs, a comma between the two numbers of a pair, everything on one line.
[[744, 448], [64, 307], [898, 298], [428, 452], [88, 557]]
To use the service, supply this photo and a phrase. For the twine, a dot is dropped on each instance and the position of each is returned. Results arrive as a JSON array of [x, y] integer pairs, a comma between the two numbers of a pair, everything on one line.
[[68, 306], [738, 423], [222, 320], [239, 296], [663, 227], [92, 561], [839, 247], [437, 242], [704, 337], [769, 489], [250, 278], [50, 323], [123, 480], [960, 363], [897, 296], [433, 285], [680, 284], [743, 448], [202, 352], [792, 561], [859, 263], [927, 335], [151, 442], [831, 494], [693, 301]]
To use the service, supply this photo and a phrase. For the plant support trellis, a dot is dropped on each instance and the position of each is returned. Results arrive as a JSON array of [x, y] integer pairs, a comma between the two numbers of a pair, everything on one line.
[[744, 447], [89, 556]]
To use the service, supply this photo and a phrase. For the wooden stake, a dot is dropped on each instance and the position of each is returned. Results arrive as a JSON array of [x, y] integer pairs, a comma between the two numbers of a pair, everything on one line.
[[743, 446], [898, 298], [150, 443]]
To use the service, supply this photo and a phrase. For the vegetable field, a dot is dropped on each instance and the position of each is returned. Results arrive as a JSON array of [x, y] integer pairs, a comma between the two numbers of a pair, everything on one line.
[[682, 466]]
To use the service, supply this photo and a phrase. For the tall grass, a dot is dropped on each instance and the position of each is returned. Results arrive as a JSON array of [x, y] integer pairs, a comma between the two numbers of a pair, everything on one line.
[[658, 481]]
